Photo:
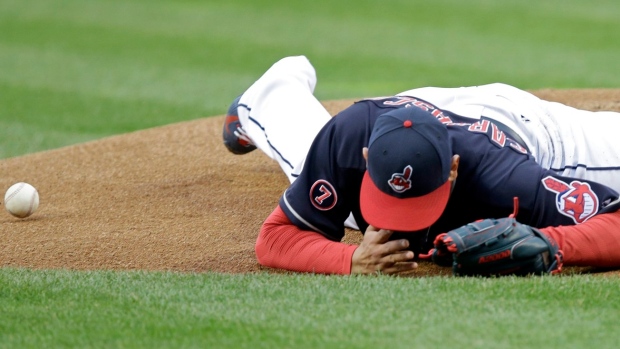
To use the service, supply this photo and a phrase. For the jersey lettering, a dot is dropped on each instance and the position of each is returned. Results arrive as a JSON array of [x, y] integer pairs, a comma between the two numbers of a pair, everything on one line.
[[518, 147], [485, 126], [480, 126], [442, 117], [399, 101], [498, 136], [423, 106]]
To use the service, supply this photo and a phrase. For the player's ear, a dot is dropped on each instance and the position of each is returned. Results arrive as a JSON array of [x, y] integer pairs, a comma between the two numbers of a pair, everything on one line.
[[454, 168], [365, 154]]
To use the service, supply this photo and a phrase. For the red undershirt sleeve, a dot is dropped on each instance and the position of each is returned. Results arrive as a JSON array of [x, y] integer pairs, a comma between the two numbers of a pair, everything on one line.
[[594, 243], [282, 245]]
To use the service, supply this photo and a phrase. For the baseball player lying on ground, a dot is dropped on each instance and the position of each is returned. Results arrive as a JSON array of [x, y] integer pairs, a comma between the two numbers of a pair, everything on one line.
[[409, 168]]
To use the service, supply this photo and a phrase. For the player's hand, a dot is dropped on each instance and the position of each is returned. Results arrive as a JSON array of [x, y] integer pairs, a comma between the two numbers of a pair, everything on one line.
[[377, 253]]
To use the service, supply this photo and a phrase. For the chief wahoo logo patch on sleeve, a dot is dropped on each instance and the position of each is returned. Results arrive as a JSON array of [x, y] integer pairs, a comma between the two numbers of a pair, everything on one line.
[[401, 182], [576, 200]]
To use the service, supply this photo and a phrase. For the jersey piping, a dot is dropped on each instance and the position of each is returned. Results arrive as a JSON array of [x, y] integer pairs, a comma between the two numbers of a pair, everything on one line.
[[268, 142], [589, 168], [290, 208]]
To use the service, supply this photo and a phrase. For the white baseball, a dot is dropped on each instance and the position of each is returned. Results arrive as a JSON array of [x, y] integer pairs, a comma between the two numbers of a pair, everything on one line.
[[21, 200]]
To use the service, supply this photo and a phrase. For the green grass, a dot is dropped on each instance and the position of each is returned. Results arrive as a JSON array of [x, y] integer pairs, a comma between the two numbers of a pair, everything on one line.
[[46, 309], [77, 70]]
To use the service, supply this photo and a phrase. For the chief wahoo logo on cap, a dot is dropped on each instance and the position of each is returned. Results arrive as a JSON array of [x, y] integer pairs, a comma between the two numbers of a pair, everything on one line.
[[400, 182]]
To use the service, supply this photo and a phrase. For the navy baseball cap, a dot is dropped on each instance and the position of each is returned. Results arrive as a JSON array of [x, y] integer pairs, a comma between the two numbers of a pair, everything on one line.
[[406, 187]]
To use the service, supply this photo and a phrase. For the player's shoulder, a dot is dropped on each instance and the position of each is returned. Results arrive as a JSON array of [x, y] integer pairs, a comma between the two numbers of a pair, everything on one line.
[[370, 108], [358, 109], [352, 120]]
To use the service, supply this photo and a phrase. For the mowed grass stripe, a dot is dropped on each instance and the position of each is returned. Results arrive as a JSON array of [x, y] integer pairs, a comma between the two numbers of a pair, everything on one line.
[[185, 52], [44, 117], [139, 309]]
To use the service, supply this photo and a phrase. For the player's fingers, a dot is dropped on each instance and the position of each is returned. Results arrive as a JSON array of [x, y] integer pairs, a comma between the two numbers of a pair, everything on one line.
[[395, 246], [401, 256], [397, 262], [377, 236], [400, 267]]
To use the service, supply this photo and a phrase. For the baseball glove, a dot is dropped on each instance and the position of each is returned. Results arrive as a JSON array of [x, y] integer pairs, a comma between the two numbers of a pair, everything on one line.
[[495, 247]]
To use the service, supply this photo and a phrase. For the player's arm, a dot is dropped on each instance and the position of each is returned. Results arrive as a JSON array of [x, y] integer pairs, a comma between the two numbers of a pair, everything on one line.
[[577, 214], [595, 243], [499, 173], [283, 245], [519, 249], [548, 199]]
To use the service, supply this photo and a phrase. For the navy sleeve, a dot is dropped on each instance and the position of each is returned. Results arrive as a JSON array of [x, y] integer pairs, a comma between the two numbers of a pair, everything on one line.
[[327, 189], [496, 174]]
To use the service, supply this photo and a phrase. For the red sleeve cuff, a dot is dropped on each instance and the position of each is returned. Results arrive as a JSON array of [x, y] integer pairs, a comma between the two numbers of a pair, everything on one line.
[[283, 245], [594, 243]]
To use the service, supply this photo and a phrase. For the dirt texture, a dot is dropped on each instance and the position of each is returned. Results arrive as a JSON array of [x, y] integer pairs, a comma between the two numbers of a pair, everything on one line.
[[167, 198]]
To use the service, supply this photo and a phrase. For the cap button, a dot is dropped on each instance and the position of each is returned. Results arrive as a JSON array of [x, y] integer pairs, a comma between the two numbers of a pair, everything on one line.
[[407, 123]]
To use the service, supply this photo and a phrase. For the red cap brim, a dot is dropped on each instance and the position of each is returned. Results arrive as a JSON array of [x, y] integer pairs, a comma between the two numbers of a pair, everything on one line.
[[384, 211]]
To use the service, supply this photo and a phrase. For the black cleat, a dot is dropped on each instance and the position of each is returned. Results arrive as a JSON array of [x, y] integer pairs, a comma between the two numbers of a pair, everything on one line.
[[235, 138]]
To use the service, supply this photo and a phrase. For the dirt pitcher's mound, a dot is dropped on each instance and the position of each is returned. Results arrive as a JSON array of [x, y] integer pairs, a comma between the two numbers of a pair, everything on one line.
[[166, 198]]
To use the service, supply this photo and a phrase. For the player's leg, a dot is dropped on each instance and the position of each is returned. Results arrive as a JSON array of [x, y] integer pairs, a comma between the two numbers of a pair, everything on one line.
[[279, 114], [591, 144], [235, 138], [573, 142]]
